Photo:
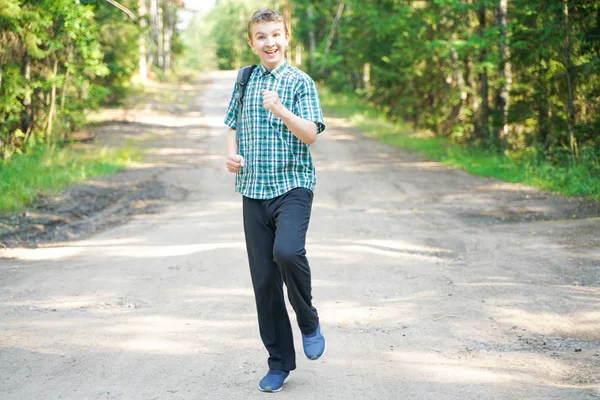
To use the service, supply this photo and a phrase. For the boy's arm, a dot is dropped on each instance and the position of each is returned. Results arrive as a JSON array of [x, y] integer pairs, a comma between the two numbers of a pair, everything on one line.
[[232, 145], [234, 160], [303, 129]]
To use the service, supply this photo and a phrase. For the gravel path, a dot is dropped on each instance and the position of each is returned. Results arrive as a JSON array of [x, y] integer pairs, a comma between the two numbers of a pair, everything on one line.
[[430, 283]]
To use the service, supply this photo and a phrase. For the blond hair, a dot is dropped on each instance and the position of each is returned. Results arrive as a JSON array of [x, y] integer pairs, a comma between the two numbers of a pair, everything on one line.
[[266, 15]]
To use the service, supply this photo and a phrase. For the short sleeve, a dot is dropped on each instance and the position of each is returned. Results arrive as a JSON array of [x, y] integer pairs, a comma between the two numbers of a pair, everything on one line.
[[307, 104], [232, 109]]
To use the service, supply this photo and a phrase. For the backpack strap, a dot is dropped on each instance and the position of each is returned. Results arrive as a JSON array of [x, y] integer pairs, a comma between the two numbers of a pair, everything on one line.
[[242, 80]]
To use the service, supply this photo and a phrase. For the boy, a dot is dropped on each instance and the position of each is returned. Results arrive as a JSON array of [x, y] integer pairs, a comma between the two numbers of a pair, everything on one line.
[[275, 175]]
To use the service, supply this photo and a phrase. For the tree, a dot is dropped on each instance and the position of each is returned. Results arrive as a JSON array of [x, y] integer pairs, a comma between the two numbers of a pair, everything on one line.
[[519, 75]]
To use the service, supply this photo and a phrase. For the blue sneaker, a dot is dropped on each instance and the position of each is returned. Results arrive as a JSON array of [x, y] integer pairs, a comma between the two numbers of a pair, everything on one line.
[[274, 380], [314, 344]]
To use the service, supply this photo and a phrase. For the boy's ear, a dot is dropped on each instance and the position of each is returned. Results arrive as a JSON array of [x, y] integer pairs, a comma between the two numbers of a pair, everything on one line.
[[251, 44]]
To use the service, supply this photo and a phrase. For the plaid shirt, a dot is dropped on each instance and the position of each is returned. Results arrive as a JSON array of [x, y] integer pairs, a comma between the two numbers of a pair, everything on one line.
[[275, 160]]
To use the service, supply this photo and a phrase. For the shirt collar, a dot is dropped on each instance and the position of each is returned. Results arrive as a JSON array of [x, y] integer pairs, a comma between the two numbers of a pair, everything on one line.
[[277, 72]]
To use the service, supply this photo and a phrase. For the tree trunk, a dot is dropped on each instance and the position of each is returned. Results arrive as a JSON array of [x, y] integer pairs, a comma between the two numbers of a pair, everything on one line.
[[160, 39], [298, 54], [52, 104], [459, 79], [65, 92], [471, 98], [570, 101], [168, 26], [542, 104], [287, 13], [155, 32], [65, 88], [505, 75], [312, 46], [338, 16], [366, 77], [26, 113], [483, 79], [457, 72], [142, 42], [1, 115], [120, 7]]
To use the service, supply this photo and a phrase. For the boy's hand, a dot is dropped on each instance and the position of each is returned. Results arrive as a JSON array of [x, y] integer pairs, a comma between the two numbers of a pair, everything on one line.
[[234, 163], [272, 102]]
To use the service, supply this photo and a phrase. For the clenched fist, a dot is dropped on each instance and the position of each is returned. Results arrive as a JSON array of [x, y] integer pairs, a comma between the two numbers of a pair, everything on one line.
[[272, 102], [234, 163]]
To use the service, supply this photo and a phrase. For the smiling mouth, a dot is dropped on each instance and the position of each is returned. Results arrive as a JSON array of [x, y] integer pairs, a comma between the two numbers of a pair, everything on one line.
[[270, 52]]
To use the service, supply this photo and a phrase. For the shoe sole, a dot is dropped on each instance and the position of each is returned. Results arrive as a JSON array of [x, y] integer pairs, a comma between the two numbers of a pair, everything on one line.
[[315, 359], [274, 391]]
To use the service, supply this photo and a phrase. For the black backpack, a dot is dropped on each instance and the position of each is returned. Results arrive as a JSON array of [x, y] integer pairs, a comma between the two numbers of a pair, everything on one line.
[[241, 81]]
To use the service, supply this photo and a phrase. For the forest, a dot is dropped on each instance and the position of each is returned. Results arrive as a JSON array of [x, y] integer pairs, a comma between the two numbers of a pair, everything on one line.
[[61, 58], [515, 78]]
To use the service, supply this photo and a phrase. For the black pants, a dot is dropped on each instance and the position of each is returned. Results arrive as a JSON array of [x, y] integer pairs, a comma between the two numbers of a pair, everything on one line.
[[275, 232]]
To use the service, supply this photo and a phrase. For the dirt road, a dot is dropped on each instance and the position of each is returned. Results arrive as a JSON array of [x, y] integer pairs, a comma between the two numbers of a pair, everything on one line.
[[430, 283]]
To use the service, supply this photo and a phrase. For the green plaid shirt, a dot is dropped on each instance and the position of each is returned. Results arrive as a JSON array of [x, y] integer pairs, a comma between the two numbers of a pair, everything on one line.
[[275, 160]]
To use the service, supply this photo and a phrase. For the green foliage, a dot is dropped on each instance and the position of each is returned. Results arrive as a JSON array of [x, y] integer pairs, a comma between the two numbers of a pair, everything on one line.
[[428, 63], [49, 65], [219, 38], [118, 37], [61, 58], [47, 172], [58, 60], [199, 46]]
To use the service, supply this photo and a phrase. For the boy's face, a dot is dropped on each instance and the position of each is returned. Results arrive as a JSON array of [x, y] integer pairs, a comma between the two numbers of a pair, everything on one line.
[[269, 40]]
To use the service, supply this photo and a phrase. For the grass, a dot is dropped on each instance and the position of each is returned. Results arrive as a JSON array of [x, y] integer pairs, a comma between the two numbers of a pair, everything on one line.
[[578, 180], [45, 172]]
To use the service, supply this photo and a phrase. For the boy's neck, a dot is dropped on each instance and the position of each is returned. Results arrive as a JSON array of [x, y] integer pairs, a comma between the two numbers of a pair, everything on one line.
[[275, 67]]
